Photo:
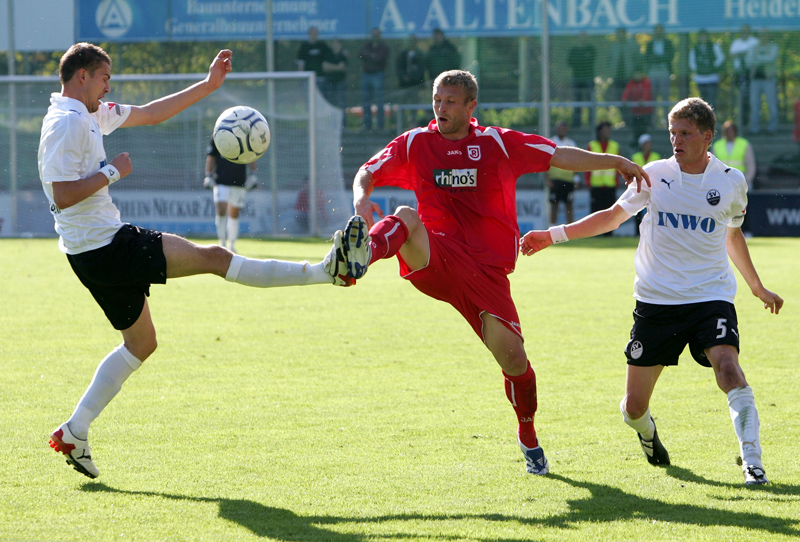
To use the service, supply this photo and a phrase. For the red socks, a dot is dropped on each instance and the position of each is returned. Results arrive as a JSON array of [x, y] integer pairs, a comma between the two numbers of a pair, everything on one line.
[[521, 391], [388, 235]]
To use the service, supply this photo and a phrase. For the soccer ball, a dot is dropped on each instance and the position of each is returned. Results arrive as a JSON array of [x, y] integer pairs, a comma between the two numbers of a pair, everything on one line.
[[241, 134]]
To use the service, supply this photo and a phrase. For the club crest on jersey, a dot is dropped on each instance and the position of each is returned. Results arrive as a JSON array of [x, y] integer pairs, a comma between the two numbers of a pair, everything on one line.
[[474, 152], [456, 178], [712, 197]]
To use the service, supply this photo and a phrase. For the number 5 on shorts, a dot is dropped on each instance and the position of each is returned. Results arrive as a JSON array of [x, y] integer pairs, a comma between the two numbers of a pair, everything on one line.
[[721, 327]]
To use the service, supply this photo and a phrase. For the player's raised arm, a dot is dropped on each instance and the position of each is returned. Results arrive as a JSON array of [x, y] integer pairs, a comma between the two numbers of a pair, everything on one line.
[[575, 159], [169, 106]]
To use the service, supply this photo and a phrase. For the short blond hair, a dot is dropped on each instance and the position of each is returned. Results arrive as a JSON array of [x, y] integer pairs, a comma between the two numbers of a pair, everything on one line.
[[461, 79], [698, 111]]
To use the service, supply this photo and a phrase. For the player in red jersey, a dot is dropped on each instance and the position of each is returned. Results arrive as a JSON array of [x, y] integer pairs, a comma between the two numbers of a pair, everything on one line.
[[462, 242]]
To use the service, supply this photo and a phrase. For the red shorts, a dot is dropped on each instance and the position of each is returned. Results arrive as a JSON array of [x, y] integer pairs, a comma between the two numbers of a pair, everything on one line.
[[472, 288]]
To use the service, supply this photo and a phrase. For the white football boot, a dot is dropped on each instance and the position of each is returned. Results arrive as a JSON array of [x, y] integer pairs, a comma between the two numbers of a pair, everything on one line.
[[78, 453], [336, 264], [357, 250]]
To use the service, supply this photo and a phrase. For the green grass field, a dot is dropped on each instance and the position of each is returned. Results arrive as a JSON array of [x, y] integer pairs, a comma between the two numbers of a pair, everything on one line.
[[374, 413]]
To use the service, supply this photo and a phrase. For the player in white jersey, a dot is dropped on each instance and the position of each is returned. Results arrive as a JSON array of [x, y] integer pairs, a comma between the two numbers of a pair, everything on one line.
[[117, 262], [684, 286]]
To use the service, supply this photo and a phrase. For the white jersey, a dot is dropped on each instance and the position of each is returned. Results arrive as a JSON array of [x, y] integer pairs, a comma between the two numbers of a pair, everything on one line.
[[682, 255], [70, 149]]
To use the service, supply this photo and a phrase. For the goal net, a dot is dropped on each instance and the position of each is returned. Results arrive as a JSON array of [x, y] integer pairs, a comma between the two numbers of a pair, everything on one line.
[[165, 190]]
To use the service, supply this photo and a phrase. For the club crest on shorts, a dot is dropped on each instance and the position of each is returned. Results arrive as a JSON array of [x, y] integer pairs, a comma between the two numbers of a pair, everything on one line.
[[474, 152], [636, 350], [712, 197]]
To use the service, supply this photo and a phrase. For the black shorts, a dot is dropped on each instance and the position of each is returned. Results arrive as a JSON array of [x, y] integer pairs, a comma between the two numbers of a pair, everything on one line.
[[661, 332], [119, 275], [562, 191]]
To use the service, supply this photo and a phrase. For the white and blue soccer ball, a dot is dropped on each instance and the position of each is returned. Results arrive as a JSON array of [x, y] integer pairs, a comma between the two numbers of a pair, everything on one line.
[[241, 134]]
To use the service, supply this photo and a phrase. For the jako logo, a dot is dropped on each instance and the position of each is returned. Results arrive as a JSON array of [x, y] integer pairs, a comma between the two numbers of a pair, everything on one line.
[[687, 222], [456, 178], [114, 18]]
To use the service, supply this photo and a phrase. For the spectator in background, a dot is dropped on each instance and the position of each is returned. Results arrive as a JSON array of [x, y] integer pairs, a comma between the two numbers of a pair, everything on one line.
[[560, 182], [442, 56], [658, 56], [736, 152], [762, 61], [580, 60], [645, 154], [230, 183], [637, 92], [335, 69], [623, 54], [374, 55], [740, 47], [312, 54], [705, 60], [411, 66], [602, 183]]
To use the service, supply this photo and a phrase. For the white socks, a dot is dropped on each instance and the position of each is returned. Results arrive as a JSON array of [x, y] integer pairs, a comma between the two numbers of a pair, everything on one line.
[[744, 415], [270, 273], [644, 425], [233, 231], [220, 221], [112, 372]]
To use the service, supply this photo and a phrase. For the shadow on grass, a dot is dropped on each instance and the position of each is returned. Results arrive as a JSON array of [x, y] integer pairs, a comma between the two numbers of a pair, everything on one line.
[[608, 503], [686, 475], [605, 504]]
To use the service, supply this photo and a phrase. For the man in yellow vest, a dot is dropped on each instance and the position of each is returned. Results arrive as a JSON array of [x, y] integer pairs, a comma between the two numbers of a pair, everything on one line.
[[736, 152], [645, 155], [602, 183]]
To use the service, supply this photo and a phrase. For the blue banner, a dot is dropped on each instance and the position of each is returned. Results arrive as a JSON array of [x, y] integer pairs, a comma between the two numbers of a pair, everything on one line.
[[147, 20]]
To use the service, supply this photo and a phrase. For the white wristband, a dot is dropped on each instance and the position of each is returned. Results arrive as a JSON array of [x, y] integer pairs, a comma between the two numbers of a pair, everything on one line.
[[558, 234], [111, 173]]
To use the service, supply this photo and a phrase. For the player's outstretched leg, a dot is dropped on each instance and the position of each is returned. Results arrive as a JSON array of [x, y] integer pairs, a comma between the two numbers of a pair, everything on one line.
[[77, 451], [357, 249], [335, 262], [645, 428]]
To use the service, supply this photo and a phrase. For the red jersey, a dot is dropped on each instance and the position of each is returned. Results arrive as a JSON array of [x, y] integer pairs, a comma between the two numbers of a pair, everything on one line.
[[466, 189]]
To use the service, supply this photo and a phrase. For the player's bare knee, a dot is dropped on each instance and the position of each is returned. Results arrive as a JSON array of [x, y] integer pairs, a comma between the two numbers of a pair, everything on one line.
[[219, 259], [408, 215], [633, 407], [729, 374], [142, 346]]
